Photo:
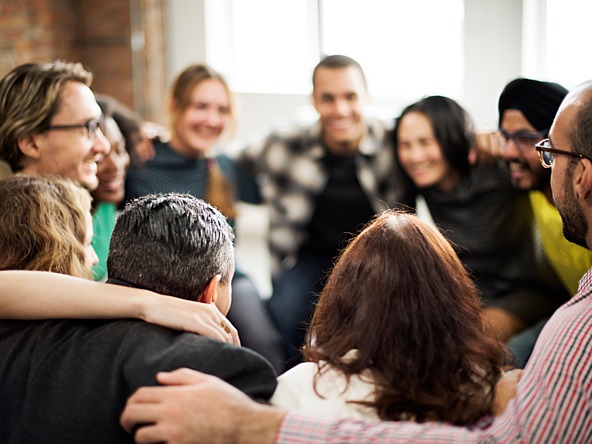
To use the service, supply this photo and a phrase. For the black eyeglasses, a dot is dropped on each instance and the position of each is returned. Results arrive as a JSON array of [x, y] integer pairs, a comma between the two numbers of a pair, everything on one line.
[[524, 140], [91, 127], [547, 153]]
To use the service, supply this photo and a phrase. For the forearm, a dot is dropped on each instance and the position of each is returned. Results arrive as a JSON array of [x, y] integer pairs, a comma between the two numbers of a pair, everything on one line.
[[33, 295], [42, 295]]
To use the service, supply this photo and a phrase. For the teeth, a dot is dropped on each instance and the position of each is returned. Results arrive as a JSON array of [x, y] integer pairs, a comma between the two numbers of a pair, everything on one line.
[[516, 166]]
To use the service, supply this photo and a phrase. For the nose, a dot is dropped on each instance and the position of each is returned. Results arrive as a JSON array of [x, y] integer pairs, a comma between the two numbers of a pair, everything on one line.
[[509, 149], [91, 257], [215, 119], [342, 107], [415, 153], [101, 144], [108, 162]]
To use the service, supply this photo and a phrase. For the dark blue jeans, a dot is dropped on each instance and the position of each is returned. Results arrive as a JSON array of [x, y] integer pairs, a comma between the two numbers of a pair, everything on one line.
[[522, 344], [294, 296]]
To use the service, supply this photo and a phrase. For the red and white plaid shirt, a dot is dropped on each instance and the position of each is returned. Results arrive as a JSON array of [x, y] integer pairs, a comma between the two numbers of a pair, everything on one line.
[[553, 403]]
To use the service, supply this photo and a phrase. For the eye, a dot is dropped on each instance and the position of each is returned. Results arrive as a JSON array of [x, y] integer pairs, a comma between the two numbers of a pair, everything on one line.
[[523, 140], [199, 105], [120, 148]]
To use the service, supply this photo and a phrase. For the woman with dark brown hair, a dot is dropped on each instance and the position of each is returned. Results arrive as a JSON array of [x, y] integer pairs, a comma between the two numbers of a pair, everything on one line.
[[397, 333]]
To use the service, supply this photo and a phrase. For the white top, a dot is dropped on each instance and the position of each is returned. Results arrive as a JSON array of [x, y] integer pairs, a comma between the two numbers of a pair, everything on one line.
[[296, 391]]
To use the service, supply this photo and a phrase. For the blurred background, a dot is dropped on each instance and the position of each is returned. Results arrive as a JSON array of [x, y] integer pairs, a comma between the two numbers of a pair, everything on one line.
[[465, 49]]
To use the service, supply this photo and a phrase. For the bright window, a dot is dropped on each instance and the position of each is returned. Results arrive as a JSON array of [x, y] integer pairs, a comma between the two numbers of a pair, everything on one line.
[[557, 36], [407, 48], [568, 41]]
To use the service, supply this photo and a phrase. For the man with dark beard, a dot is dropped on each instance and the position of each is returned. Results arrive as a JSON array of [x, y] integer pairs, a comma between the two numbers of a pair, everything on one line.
[[554, 397], [526, 111]]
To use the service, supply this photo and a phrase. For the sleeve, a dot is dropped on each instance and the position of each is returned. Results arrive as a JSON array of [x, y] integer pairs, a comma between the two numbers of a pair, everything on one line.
[[298, 428], [252, 157], [289, 391], [157, 349]]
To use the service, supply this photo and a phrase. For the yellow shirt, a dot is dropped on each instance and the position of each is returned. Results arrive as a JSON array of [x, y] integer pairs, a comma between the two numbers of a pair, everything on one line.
[[570, 261]]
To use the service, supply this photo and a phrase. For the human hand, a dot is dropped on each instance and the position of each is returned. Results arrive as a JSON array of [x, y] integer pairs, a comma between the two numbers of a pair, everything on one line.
[[195, 317], [197, 408], [150, 131], [487, 148], [505, 390]]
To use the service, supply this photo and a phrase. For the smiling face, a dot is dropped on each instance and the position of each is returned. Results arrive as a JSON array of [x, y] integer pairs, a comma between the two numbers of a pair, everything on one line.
[[339, 95], [71, 152], [575, 225], [525, 168], [420, 154], [200, 124], [111, 170]]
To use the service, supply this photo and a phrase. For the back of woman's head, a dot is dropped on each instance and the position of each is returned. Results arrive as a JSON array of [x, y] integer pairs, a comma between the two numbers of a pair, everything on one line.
[[44, 225], [452, 126], [399, 295]]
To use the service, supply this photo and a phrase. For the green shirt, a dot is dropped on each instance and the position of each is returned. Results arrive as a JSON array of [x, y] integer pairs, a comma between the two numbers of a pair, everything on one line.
[[570, 261], [104, 218]]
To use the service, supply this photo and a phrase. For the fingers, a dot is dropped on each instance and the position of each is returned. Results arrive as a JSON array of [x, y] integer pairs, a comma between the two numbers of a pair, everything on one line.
[[182, 376], [152, 434], [488, 148], [513, 376], [139, 409], [230, 330]]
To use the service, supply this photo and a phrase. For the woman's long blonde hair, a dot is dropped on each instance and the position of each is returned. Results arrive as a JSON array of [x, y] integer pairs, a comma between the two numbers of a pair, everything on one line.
[[44, 225]]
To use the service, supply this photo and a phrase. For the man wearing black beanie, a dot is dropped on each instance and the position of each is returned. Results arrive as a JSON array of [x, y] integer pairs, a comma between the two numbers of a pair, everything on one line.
[[527, 109]]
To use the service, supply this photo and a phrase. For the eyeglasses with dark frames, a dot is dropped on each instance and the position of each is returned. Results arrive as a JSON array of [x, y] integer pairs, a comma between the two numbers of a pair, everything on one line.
[[547, 153], [91, 127], [524, 140]]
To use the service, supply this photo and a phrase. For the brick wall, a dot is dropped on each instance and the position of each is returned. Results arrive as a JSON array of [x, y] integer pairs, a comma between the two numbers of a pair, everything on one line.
[[97, 33]]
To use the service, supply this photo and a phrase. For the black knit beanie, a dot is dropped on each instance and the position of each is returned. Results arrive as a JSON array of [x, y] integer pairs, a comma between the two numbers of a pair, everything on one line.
[[538, 101]]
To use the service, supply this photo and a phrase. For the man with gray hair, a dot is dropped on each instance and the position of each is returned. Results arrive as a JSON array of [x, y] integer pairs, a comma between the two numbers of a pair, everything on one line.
[[67, 381]]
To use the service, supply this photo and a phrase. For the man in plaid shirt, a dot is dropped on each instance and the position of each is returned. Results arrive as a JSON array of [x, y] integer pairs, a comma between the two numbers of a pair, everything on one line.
[[321, 183]]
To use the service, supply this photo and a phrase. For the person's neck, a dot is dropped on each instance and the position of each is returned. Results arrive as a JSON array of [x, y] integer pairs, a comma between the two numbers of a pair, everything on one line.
[[342, 149]]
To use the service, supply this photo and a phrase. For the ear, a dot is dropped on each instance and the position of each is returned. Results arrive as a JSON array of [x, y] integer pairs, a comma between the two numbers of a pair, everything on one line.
[[583, 180], [28, 146], [210, 294]]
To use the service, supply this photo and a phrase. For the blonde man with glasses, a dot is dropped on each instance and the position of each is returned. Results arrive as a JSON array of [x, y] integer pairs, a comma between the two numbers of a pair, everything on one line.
[[49, 122]]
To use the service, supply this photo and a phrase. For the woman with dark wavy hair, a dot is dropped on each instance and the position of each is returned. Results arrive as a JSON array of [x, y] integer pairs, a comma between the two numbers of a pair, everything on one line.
[[397, 333], [490, 222]]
